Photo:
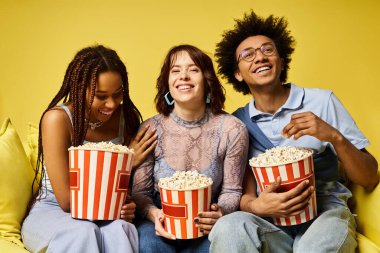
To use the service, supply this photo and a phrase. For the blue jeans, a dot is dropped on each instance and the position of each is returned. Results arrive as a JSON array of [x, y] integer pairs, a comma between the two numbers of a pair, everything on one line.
[[49, 229], [332, 231], [149, 242]]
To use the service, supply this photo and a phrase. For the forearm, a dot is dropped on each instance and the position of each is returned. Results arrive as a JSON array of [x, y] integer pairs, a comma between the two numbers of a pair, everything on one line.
[[143, 204], [250, 204], [246, 203], [152, 213], [360, 166]]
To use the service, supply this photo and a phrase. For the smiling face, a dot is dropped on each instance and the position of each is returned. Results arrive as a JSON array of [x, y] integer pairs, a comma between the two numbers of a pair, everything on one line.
[[262, 70], [186, 81], [108, 96]]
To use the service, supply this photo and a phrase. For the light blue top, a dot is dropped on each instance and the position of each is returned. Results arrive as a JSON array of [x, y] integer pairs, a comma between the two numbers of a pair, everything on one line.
[[265, 132], [118, 140], [322, 103]]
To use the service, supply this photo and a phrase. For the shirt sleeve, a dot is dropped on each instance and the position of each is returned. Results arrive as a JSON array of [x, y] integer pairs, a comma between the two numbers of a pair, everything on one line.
[[143, 183], [234, 166], [339, 118]]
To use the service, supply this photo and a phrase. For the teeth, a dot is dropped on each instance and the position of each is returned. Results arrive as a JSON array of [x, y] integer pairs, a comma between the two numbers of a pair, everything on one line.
[[184, 87], [106, 113], [262, 69]]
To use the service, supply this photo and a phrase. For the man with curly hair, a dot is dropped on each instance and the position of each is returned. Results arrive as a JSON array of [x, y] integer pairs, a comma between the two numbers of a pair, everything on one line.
[[254, 57]]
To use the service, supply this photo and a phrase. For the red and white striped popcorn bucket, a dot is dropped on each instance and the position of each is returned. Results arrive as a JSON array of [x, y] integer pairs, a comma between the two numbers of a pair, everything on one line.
[[291, 175], [181, 207], [98, 183]]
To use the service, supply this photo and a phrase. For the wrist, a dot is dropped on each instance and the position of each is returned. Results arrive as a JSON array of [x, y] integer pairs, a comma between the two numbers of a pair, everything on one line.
[[337, 138], [248, 204], [152, 213]]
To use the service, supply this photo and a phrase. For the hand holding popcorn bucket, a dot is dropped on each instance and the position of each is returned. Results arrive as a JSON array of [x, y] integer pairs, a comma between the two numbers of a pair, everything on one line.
[[99, 179], [183, 196], [294, 165]]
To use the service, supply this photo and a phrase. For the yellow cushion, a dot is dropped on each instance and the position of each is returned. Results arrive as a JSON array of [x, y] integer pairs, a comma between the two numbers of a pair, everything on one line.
[[367, 205], [31, 144], [366, 246], [15, 183], [8, 247]]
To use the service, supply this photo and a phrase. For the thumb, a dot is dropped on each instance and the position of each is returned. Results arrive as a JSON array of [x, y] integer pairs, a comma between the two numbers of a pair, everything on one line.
[[273, 187]]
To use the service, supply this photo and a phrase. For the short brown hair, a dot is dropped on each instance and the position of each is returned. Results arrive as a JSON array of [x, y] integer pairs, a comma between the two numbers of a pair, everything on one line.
[[204, 62]]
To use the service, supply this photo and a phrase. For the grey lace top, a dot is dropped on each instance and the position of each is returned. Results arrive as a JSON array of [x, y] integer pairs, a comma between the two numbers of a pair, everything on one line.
[[214, 145]]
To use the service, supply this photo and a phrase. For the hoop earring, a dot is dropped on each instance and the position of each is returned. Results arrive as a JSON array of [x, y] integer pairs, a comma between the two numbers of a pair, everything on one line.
[[208, 98], [167, 99]]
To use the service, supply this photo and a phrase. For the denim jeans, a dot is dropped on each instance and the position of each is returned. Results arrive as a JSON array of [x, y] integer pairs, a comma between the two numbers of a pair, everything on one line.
[[149, 242], [49, 229], [332, 231]]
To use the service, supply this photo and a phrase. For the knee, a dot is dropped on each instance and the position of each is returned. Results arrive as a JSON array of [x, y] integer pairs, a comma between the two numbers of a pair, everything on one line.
[[340, 215], [232, 225], [120, 225], [79, 229], [148, 240], [76, 237]]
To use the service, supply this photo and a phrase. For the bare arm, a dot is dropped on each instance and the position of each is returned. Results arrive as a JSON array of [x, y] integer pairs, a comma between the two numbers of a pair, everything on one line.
[[55, 130]]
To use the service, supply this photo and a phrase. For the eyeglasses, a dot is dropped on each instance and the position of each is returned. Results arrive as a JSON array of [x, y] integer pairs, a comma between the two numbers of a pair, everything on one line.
[[249, 54]]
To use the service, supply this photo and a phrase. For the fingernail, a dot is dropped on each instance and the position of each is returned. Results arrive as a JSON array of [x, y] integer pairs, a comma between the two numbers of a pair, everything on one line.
[[196, 225], [201, 230], [196, 220], [200, 215], [173, 238]]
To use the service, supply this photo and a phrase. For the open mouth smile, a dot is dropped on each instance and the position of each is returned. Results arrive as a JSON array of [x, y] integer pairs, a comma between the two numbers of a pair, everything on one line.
[[105, 113], [184, 87], [262, 69]]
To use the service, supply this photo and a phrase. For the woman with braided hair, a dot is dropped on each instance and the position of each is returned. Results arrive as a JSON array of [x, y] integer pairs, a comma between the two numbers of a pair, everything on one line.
[[95, 107]]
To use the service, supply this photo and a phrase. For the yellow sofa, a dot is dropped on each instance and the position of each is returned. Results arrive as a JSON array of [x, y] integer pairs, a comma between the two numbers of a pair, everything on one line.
[[18, 159]]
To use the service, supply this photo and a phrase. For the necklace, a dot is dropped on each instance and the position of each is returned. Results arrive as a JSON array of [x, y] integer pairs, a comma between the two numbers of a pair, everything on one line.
[[95, 125]]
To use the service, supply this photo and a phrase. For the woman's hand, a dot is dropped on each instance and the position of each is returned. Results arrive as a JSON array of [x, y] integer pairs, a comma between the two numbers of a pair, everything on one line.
[[307, 123], [155, 215], [127, 212], [143, 144], [206, 220]]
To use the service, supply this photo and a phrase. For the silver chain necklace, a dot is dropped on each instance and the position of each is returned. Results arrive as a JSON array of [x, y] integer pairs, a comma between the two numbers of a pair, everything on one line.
[[95, 125]]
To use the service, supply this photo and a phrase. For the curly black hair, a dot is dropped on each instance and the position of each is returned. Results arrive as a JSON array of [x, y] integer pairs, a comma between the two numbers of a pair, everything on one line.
[[272, 27]]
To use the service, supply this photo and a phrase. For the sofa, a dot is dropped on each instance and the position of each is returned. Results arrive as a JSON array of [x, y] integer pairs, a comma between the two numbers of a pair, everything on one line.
[[18, 159]]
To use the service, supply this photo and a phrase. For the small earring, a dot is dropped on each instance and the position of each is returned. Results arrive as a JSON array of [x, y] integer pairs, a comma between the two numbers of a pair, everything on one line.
[[208, 98], [167, 99]]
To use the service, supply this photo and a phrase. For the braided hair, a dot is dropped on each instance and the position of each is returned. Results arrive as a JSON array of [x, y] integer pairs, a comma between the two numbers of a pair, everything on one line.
[[83, 73]]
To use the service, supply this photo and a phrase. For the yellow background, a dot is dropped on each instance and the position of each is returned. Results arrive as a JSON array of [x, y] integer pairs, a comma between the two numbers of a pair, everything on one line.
[[337, 47]]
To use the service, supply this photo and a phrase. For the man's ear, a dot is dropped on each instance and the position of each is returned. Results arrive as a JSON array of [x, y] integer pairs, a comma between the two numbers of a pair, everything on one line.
[[238, 75]]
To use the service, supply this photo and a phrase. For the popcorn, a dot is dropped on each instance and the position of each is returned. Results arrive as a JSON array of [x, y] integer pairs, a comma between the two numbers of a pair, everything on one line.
[[280, 155], [104, 146], [185, 180]]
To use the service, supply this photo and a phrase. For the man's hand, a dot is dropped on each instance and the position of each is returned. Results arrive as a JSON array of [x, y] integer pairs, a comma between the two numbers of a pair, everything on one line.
[[307, 123], [283, 204]]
